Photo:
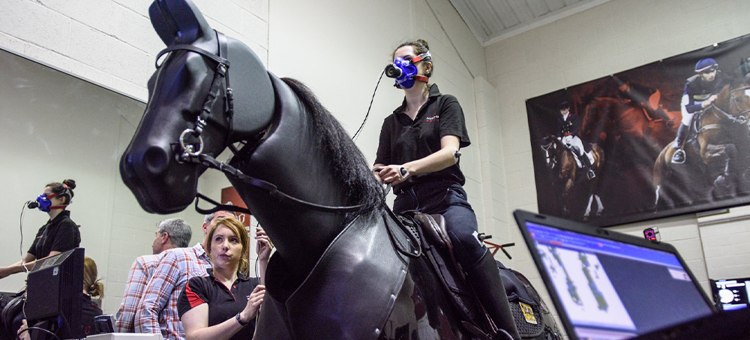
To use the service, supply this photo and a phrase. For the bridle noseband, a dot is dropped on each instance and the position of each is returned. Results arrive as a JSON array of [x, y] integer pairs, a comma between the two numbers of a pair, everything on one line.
[[192, 151]]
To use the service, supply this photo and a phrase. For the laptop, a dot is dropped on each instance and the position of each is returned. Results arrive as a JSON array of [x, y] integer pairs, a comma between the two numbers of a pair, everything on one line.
[[607, 285]]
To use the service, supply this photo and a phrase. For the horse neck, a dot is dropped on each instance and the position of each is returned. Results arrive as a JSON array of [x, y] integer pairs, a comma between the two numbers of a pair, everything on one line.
[[289, 157]]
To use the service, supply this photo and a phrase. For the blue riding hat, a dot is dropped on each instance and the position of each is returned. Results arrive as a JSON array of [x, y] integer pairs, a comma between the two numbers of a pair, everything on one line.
[[706, 64]]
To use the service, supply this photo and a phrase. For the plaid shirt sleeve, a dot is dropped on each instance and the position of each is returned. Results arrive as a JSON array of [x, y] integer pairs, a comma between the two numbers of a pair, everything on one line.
[[157, 294], [137, 280]]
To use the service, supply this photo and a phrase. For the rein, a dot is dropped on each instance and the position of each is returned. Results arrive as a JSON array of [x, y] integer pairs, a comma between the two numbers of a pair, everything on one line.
[[269, 187], [192, 151]]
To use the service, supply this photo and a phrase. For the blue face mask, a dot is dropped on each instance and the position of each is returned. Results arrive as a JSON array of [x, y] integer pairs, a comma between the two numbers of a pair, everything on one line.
[[408, 71], [44, 203], [405, 71]]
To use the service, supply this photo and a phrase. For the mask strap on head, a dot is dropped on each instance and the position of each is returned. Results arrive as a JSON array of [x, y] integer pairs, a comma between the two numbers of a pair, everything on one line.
[[422, 57], [55, 206]]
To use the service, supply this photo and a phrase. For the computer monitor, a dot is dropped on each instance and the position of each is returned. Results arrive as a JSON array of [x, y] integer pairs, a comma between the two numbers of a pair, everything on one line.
[[54, 294], [607, 285], [731, 294]]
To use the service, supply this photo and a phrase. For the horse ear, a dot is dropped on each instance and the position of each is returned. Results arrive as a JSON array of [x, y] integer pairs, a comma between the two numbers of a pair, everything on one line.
[[178, 21]]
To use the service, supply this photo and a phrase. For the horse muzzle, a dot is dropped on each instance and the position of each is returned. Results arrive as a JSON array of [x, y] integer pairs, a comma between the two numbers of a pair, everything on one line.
[[160, 184]]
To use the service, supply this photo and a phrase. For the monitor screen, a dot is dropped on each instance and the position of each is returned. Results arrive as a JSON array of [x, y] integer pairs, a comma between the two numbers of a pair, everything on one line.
[[615, 290], [731, 294]]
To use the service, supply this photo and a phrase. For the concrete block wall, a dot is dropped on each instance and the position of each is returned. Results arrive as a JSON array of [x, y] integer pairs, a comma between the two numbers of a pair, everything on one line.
[[609, 38], [111, 42], [492, 165], [727, 247]]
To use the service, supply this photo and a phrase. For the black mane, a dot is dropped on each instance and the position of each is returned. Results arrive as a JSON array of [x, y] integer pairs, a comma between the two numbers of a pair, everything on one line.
[[349, 163]]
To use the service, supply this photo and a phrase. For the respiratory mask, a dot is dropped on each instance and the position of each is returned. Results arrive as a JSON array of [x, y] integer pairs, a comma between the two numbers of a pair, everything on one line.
[[405, 71], [43, 203]]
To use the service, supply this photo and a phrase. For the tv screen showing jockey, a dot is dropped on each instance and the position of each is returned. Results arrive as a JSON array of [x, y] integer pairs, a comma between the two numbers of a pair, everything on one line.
[[667, 138]]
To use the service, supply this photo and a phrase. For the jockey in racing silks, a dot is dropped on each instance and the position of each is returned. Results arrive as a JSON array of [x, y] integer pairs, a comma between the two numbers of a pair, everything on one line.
[[700, 92], [567, 124]]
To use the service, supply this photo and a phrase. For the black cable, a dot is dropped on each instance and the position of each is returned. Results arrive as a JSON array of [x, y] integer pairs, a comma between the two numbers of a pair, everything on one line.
[[368, 108], [20, 246], [18, 336]]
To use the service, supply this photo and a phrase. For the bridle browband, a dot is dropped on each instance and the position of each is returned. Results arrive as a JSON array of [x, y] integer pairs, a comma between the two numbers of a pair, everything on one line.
[[189, 152]]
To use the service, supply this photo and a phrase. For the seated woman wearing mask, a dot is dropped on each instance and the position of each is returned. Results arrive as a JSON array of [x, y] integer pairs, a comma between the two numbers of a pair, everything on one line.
[[224, 304], [58, 235], [418, 154]]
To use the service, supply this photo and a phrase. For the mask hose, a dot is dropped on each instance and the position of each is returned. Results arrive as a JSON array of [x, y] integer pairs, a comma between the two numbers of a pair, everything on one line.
[[354, 138]]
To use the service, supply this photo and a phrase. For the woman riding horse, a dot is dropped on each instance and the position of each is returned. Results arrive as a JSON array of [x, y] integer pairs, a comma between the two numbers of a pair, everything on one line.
[[418, 154]]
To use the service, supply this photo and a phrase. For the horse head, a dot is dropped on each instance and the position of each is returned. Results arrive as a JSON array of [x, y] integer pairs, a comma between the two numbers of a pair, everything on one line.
[[190, 108], [739, 105], [549, 147]]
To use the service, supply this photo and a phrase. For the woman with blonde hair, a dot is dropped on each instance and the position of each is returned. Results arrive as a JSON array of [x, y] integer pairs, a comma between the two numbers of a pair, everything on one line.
[[224, 304]]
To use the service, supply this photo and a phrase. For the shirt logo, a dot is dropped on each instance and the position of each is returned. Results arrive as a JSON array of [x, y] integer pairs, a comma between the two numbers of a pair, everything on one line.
[[435, 118]]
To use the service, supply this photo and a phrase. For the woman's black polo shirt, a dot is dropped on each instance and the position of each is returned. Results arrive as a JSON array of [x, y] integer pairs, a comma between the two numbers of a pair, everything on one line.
[[403, 140], [59, 234], [222, 303]]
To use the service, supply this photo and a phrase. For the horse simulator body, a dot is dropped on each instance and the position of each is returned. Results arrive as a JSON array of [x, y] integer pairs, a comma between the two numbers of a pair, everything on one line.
[[345, 267]]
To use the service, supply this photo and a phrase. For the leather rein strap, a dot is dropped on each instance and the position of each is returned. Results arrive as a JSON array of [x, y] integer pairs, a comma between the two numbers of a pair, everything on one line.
[[266, 186], [193, 154]]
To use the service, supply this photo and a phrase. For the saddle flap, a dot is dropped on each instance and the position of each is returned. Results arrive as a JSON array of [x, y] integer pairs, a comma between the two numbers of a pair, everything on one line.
[[433, 227], [351, 291]]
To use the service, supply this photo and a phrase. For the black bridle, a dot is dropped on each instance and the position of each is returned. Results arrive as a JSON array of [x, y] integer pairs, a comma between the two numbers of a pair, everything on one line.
[[191, 151]]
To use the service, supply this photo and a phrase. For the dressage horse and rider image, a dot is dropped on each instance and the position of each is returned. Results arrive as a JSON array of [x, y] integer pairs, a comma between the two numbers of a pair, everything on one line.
[[573, 165], [676, 139], [345, 266]]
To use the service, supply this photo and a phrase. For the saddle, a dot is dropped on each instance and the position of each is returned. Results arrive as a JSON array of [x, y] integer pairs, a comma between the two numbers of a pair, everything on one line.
[[532, 318]]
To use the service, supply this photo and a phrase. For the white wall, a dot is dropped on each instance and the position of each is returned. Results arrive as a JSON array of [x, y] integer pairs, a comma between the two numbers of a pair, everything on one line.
[[607, 39], [337, 47], [109, 42]]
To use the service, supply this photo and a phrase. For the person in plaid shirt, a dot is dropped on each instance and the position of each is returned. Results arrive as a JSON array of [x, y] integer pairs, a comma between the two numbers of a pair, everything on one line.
[[157, 310], [171, 233]]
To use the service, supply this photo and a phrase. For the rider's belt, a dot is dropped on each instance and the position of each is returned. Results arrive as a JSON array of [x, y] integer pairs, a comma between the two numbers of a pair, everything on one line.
[[443, 182], [568, 134]]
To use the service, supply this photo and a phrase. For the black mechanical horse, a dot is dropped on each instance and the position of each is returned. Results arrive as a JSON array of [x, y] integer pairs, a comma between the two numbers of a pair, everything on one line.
[[345, 267]]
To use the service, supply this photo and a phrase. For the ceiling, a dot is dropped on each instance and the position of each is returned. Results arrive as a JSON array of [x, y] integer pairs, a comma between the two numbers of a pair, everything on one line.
[[494, 20]]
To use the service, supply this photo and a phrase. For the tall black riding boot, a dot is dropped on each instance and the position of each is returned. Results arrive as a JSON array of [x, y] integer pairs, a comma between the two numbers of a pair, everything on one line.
[[484, 278], [679, 155]]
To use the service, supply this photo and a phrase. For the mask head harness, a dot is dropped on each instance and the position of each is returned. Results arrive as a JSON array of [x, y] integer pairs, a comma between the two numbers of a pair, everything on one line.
[[46, 205], [405, 71]]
